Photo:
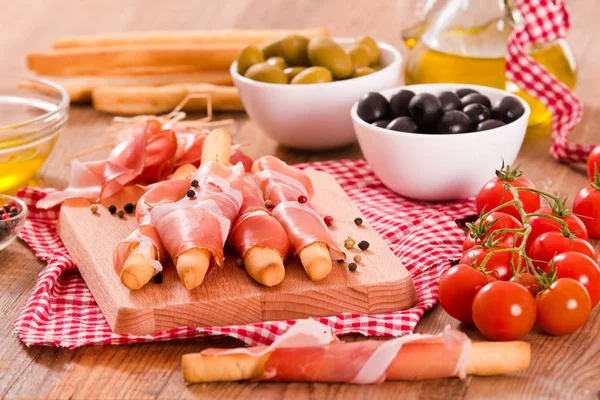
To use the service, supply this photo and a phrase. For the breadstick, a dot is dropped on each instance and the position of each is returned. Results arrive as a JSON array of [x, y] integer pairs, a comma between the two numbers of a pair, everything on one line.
[[137, 271], [154, 100], [316, 260], [486, 358], [217, 147], [183, 172], [264, 265], [90, 61], [80, 87], [238, 36]]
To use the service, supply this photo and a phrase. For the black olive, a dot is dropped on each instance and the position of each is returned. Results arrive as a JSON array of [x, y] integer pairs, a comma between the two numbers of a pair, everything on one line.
[[382, 123], [399, 103], [454, 122], [403, 124], [508, 109], [449, 101], [425, 109], [463, 92], [477, 112], [474, 98], [373, 107], [489, 124]]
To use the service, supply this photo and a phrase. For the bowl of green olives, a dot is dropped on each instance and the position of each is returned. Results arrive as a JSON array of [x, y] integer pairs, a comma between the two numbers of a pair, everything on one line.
[[300, 91], [439, 142]]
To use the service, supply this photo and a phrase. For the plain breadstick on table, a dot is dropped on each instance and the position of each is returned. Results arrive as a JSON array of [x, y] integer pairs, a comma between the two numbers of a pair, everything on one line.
[[309, 352], [139, 100], [238, 36], [97, 60]]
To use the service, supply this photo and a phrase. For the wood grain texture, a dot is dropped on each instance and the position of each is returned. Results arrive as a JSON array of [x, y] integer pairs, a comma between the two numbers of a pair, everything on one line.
[[562, 367], [228, 296]]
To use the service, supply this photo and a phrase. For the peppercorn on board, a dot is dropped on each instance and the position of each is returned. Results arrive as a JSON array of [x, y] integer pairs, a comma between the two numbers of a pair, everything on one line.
[[229, 296]]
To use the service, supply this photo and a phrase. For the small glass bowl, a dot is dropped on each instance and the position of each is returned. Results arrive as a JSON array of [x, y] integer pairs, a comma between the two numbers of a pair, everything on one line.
[[10, 228], [33, 112]]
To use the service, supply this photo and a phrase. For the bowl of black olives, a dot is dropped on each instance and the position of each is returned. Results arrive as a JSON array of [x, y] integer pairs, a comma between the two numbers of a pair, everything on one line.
[[439, 142]]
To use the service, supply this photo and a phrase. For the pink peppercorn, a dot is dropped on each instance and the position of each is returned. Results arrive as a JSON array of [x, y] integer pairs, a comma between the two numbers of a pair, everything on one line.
[[328, 220]]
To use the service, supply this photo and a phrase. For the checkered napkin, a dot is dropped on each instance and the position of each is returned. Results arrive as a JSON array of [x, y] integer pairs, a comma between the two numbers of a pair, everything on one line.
[[62, 312], [546, 21]]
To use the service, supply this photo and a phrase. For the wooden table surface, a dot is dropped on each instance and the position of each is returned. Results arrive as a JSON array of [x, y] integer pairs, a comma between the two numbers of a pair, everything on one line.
[[562, 367]]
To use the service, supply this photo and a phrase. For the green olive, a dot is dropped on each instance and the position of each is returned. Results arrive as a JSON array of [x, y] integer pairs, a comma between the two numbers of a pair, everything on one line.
[[278, 62], [373, 49], [313, 75], [359, 54], [291, 72], [264, 72], [292, 48], [362, 71], [249, 56], [324, 52]]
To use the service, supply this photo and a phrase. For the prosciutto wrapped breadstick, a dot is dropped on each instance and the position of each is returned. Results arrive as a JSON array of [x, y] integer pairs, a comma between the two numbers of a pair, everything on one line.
[[194, 229], [308, 234], [141, 255], [259, 238], [309, 352]]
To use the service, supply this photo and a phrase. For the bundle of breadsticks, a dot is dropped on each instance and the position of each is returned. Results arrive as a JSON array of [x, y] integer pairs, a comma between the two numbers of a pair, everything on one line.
[[152, 72]]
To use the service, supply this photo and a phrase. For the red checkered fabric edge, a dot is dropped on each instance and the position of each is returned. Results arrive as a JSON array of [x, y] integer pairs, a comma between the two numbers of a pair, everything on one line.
[[546, 21], [62, 312]]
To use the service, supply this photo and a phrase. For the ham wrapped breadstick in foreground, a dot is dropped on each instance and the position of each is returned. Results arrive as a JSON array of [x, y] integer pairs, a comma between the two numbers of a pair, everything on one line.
[[283, 185], [259, 238], [309, 352], [194, 229], [141, 255]]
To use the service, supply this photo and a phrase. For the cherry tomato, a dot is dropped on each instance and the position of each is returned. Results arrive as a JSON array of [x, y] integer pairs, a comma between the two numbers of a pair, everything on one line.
[[581, 268], [458, 288], [563, 307], [549, 244], [540, 225], [593, 158], [528, 281], [504, 311], [503, 221], [587, 205], [499, 262], [493, 194]]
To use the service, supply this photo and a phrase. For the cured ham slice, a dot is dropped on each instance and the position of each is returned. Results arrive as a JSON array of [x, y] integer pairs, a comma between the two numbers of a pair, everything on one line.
[[255, 226], [147, 154], [306, 353], [202, 221], [283, 184]]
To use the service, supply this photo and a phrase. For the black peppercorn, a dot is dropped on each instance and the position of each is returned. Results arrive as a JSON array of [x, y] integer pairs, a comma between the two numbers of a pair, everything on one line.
[[158, 278], [112, 209], [358, 221], [194, 183], [363, 245], [190, 193], [129, 208], [352, 267]]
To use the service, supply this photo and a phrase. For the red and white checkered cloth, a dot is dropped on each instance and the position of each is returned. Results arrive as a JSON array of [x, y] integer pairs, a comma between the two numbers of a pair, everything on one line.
[[546, 21], [62, 312]]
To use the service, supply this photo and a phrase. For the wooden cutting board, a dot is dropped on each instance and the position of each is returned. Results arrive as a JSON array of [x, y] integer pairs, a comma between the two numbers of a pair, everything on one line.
[[229, 296]]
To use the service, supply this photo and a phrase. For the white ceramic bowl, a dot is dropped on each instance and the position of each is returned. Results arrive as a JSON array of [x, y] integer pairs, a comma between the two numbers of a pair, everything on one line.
[[439, 167], [314, 116]]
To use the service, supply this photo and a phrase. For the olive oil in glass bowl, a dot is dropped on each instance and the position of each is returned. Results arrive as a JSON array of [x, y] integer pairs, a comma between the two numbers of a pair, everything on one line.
[[32, 114]]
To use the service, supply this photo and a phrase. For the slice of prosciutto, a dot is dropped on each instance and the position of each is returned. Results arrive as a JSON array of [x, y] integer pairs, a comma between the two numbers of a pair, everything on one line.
[[146, 154], [310, 352], [283, 184], [204, 220], [145, 234], [255, 226]]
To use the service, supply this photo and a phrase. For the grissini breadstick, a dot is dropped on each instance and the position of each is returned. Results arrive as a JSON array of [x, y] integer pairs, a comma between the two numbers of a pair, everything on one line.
[[90, 61], [295, 356], [153, 100], [239, 36], [309, 238], [80, 87]]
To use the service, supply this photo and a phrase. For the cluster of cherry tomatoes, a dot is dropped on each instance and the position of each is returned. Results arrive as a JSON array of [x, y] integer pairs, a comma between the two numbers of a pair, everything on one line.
[[524, 264]]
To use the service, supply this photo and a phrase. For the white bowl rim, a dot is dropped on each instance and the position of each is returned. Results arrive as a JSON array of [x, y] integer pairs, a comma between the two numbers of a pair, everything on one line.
[[448, 86], [397, 60]]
